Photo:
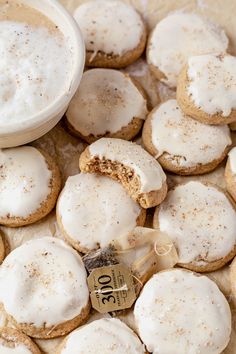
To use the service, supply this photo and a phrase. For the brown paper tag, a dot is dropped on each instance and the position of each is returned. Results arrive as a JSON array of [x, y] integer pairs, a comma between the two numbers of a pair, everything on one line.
[[111, 288]]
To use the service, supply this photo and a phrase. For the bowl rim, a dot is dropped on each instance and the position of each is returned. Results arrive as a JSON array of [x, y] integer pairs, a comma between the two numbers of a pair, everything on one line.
[[62, 101]]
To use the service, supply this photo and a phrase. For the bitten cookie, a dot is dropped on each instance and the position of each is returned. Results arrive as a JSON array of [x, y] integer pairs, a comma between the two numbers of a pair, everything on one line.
[[13, 341], [49, 296], [94, 210], [181, 312], [178, 37], [182, 144], [207, 88], [107, 103], [114, 33], [131, 165], [107, 335], [230, 173], [29, 185], [201, 221]]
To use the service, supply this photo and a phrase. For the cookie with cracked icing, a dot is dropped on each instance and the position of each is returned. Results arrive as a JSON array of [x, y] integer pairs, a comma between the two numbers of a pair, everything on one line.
[[108, 103], [201, 221], [140, 174], [206, 88], [230, 173], [182, 312], [102, 337], [114, 33], [13, 341], [181, 144], [178, 37], [94, 210], [29, 185], [49, 296]]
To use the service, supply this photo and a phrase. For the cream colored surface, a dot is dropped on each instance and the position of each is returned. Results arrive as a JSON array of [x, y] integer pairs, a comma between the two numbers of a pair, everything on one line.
[[179, 36], [19, 349], [232, 159], [179, 135], [97, 18], [66, 149], [24, 181], [212, 85], [102, 103]]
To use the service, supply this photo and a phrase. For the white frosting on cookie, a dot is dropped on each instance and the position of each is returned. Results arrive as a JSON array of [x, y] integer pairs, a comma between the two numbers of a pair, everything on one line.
[[18, 349], [130, 154], [47, 279], [107, 100], [32, 76], [232, 160], [201, 222], [94, 210], [191, 141], [183, 313], [104, 336], [212, 86], [179, 36], [24, 181], [111, 27]]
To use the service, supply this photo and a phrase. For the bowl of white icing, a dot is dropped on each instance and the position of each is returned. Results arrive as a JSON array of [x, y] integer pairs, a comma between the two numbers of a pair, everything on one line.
[[42, 58]]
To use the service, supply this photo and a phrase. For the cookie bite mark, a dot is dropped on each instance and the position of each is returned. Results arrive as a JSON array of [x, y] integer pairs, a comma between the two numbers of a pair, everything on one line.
[[93, 210], [13, 341], [114, 33], [108, 103], [103, 336], [49, 296], [181, 312], [139, 173], [230, 173], [181, 144], [201, 221], [207, 88], [178, 37], [29, 185]]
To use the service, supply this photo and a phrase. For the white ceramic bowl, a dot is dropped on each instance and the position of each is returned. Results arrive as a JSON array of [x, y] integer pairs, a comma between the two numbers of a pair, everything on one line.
[[19, 133]]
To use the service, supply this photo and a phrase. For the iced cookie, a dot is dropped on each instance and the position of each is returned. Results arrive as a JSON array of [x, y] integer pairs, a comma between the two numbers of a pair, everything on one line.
[[107, 103], [178, 37], [104, 336], [182, 144], [114, 33], [49, 296], [94, 210], [29, 185], [207, 88], [230, 173], [131, 165], [181, 312], [13, 341], [201, 221]]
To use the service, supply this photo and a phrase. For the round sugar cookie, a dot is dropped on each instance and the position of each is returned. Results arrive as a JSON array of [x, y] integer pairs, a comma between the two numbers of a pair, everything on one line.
[[176, 38], [206, 88], [181, 144], [182, 312], [201, 221], [29, 185], [94, 210], [49, 296], [107, 103], [13, 341], [114, 33], [127, 162], [104, 336], [230, 173]]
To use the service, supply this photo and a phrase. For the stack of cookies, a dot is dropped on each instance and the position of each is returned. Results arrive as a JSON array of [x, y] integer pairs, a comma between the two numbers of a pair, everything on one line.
[[140, 164]]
